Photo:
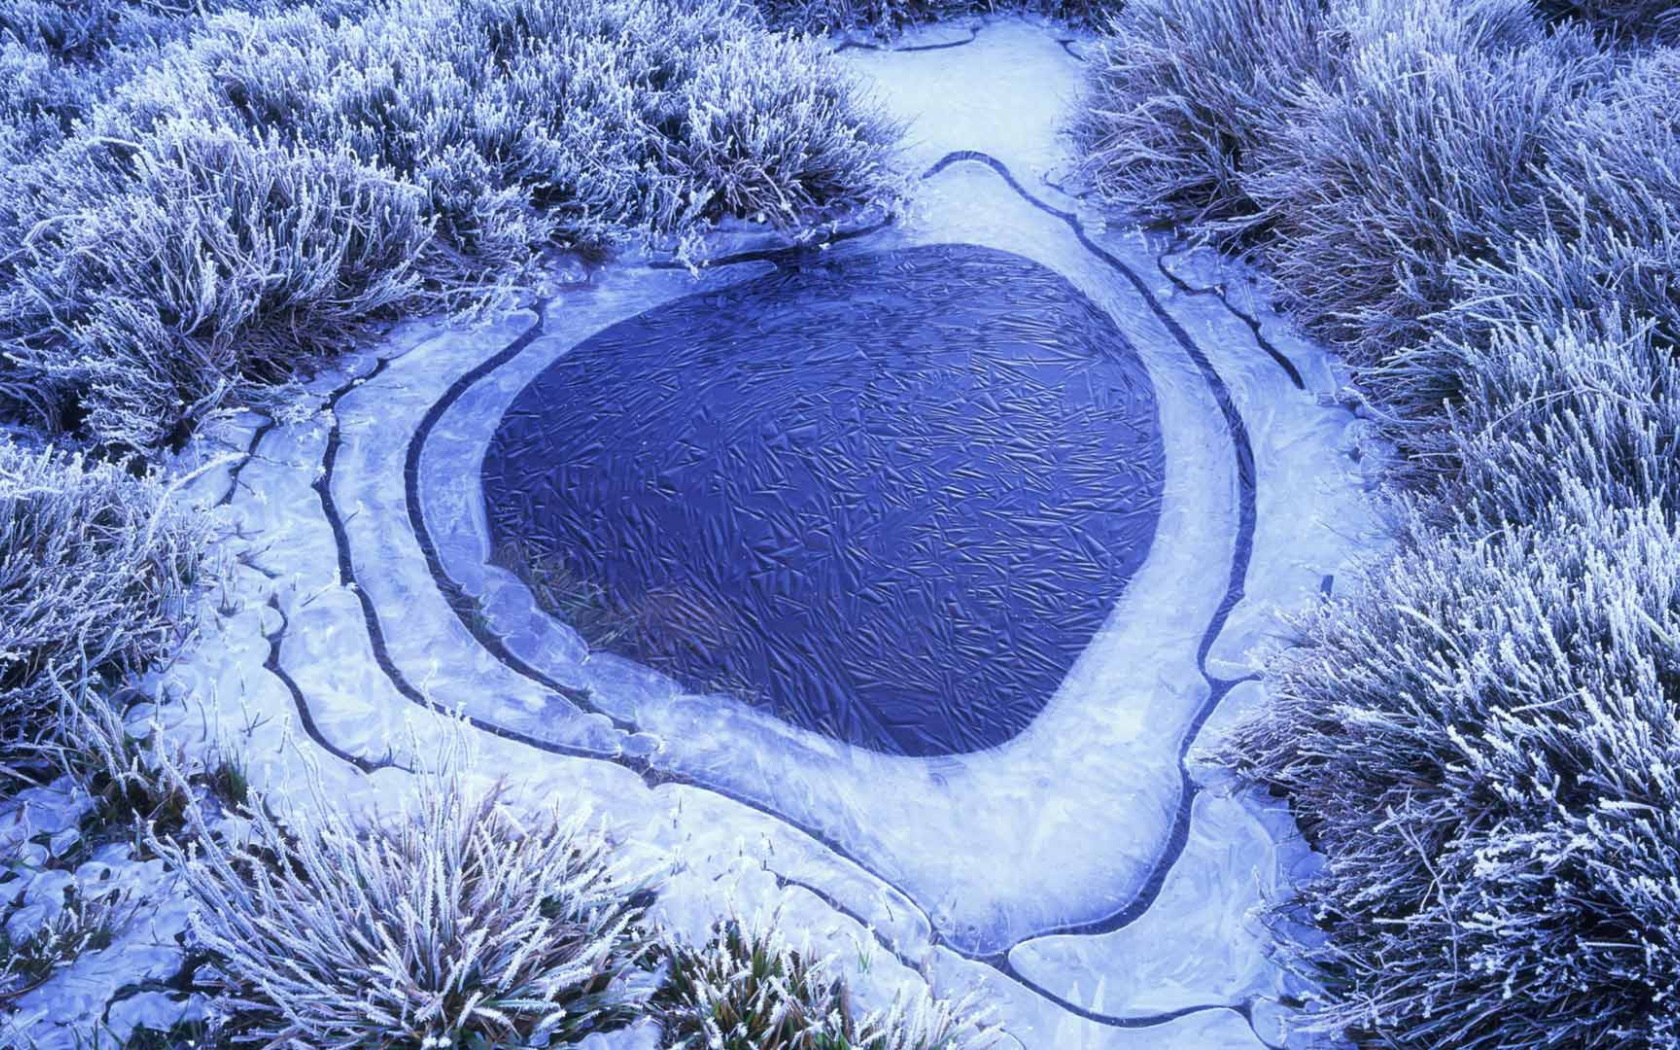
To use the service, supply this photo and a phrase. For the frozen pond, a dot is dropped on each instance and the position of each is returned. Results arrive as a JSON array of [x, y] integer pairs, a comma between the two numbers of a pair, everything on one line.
[[896, 583], [891, 497]]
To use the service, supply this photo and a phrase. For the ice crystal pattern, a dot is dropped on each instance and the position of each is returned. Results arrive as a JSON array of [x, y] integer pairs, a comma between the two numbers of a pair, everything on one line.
[[891, 498]]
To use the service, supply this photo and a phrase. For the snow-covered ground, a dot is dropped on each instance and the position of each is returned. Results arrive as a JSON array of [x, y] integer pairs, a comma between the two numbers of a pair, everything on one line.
[[1091, 877]]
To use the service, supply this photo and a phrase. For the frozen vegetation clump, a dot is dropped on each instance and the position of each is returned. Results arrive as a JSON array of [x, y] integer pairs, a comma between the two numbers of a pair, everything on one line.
[[747, 989], [59, 58], [1625, 21], [1184, 96], [455, 923], [1416, 154], [1481, 733], [1482, 742], [258, 191], [84, 924], [883, 17], [94, 570], [1362, 146]]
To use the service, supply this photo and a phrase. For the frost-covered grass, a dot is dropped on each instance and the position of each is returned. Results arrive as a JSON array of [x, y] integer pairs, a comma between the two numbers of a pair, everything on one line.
[[465, 919], [1482, 741], [1363, 146], [256, 192], [747, 989], [1184, 96], [883, 17], [59, 58], [1622, 20], [1418, 153], [454, 923], [94, 568], [1481, 732]]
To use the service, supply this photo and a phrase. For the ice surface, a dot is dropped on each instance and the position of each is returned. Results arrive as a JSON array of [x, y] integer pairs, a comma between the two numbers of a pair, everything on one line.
[[1076, 874], [889, 496], [1159, 963], [147, 918]]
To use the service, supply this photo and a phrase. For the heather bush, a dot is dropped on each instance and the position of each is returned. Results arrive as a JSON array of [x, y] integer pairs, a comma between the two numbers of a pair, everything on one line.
[[40, 98], [1483, 744], [60, 58], [747, 989], [100, 31], [200, 260], [1185, 95], [1420, 155], [87, 30], [1573, 327], [94, 566], [293, 174], [452, 923], [1367, 147], [882, 17]]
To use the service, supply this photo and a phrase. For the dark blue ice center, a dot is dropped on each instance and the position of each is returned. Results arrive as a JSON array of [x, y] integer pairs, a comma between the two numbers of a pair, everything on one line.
[[890, 497]]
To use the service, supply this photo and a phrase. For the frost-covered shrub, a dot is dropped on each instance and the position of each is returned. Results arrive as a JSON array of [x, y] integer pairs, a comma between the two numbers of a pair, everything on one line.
[[1420, 155], [292, 174], [607, 117], [94, 564], [1368, 146], [84, 30], [778, 142], [1184, 96], [884, 16], [1572, 329], [1484, 744], [199, 260], [747, 989], [40, 98], [1614, 185], [59, 58], [1596, 405], [96, 31], [453, 923]]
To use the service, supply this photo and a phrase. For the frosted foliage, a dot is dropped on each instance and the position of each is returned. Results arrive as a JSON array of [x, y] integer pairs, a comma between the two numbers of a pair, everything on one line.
[[1413, 158], [1182, 94], [1623, 20], [453, 919], [235, 257], [748, 988], [93, 566], [1509, 709], [1378, 142]]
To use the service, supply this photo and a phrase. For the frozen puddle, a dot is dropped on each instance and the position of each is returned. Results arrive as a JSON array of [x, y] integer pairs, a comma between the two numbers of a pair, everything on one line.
[[895, 582], [888, 496]]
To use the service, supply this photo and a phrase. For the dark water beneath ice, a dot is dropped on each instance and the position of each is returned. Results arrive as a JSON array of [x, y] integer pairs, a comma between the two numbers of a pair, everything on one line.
[[889, 497]]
